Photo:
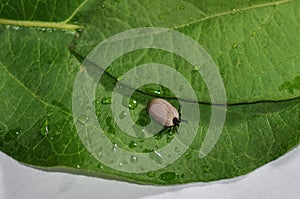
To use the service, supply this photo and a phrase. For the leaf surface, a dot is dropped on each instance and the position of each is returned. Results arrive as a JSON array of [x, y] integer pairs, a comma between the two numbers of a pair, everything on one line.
[[255, 45]]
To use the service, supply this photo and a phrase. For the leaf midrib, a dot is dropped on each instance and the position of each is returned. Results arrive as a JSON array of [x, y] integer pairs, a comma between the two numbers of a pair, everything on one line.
[[45, 24]]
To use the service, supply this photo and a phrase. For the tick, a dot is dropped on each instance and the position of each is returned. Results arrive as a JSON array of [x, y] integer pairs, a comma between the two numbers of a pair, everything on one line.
[[164, 113]]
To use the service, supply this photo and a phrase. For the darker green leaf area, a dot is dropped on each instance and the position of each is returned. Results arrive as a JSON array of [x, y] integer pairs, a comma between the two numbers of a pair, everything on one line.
[[256, 46]]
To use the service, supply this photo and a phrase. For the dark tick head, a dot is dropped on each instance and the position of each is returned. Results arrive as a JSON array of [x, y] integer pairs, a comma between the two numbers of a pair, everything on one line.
[[176, 121]]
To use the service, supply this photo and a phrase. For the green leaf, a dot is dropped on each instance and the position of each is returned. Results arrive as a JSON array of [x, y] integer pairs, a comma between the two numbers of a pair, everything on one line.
[[255, 45]]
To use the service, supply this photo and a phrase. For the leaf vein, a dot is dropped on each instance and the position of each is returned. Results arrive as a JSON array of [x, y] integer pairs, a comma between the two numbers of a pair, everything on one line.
[[236, 10]]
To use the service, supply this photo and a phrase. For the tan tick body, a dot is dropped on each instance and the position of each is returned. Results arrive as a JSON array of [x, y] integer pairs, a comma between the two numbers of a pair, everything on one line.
[[163, 112]]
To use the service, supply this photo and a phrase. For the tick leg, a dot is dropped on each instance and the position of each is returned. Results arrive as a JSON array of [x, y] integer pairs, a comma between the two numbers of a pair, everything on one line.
[[176, 129], [163, 130]]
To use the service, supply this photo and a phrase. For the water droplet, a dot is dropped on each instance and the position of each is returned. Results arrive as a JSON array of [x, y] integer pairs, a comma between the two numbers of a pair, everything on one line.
[[147, 150], [98, 112], [170, 137], [119, 78], [120, 164], [42, 29], [158, 154], [103, 6], [17, 132], [168, 176], [17, 27], [115, 147], [181, 7], [100, 166], [132, 144], [49, 29], [108, 121], [111, 130], [133, 104], [235, 45], [158, 136], [106, 100], [196, 68], [133, 159], [177, 149], [188, 156], [158, 92], [206, 169], [78, 166], [233, 11], [45, 129], [171, 133], [96, 102], [150, 174], [122, 115]]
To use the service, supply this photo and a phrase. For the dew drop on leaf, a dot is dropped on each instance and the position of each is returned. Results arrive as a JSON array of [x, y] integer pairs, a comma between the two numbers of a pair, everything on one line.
[[177, 149], [115, 146], [44, 129], [206, 169], [98, 112], [170, 138], [132, 144], [119, 78], [156, 156], [181, 7], [150, 174], [158, 92], [196, 68], [132, 104], [106, 100], [100, 166], [133, 159], [96, 102], [235, 45], [158, 136], [188, 156], [161, 16], [122, 115], [168, 176], [233, 11]]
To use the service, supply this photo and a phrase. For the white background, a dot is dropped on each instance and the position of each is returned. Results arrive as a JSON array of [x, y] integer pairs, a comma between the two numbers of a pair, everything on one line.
[[278, 179]]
